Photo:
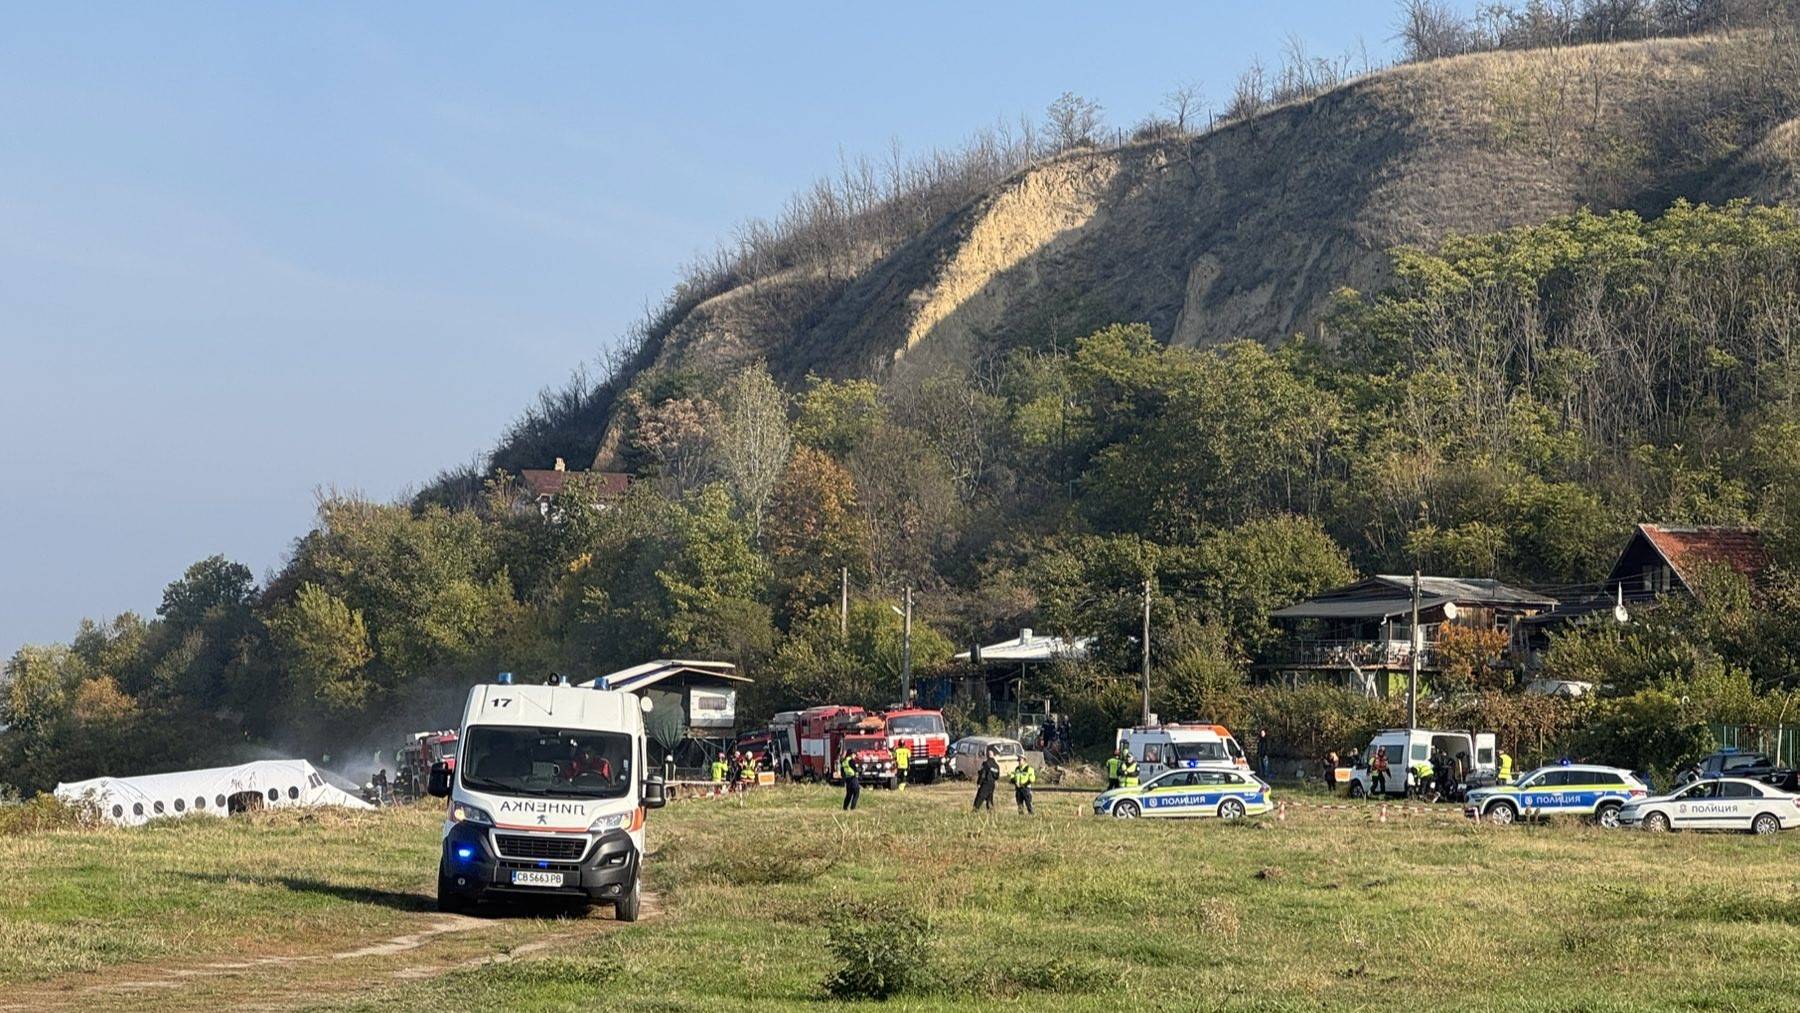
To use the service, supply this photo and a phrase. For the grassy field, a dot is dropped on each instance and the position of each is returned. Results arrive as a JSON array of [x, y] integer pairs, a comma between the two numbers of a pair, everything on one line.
[[1325, 909]]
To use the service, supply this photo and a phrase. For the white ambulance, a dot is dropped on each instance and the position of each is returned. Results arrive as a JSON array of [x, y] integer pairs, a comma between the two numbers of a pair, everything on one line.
[[547, 798], [1157, 748]]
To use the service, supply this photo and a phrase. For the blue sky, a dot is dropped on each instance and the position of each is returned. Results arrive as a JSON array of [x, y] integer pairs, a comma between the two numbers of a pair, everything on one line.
[[251, 251]]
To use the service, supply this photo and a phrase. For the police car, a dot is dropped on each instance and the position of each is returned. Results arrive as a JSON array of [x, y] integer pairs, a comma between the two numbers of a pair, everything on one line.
[[1570, 789], [1227, 794], [1717, 803]]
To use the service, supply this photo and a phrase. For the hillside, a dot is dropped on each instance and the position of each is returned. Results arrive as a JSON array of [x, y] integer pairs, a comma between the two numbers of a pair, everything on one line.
[[1246, 231]]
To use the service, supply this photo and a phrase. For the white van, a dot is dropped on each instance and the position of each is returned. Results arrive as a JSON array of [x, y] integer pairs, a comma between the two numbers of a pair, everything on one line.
[[1164, 747], [547, 798], [1407, 746]]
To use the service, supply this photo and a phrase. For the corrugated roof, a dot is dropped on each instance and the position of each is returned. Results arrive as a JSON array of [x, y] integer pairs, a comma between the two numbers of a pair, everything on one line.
[[1476, 590], [1391, 594], [1357, 608], [650, 673], [1687, 549], [547, 482], [1029, 646]]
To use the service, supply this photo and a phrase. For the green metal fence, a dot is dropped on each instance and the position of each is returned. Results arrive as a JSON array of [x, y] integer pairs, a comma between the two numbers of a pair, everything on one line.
[[1781, 743]]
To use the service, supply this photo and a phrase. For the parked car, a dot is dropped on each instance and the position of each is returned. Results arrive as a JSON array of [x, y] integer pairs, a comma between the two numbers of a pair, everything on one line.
[[1199, 791], [1732, 763], [1574, 789], [966, 754], [1717, 803]]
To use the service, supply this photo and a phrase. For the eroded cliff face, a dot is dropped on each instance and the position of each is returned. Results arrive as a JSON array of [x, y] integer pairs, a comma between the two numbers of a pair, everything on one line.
[[1249, 230]]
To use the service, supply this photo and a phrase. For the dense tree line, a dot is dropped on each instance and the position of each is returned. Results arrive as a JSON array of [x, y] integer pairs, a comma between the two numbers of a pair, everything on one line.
[[1507, 407]]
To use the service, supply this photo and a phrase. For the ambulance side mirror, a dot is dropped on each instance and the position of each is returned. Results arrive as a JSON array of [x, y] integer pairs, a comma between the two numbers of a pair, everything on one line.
[[656, 793], [437, 783]]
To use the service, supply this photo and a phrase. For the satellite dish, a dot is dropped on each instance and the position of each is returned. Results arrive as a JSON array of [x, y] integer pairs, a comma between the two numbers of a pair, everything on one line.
[[1450, 610], [1621, 614]]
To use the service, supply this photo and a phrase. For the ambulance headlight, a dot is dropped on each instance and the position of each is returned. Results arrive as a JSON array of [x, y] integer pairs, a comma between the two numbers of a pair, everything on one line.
[[612, 821], [462, 812]]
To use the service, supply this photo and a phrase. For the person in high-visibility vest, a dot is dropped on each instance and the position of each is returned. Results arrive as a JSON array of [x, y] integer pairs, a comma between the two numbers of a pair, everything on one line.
[[1112, 769], [1128, 772], [1422, 778], [1022, 778], [1506, 772], [852, 776], [718, 769], [902, 761]]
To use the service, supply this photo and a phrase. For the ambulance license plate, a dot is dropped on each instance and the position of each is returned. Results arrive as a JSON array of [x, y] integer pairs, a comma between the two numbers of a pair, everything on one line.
[[522, 877]]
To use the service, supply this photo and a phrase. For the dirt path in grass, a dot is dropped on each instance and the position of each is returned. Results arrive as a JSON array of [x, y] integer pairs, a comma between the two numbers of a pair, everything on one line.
[[278, 977]]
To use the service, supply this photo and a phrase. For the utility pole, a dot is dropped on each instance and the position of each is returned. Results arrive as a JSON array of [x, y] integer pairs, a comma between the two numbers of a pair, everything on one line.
[[1146, 715], [844, 603], [1416, 648], [906, 653]]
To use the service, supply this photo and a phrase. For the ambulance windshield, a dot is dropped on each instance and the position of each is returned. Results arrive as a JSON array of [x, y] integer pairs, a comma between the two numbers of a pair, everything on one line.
[[1199, 751], [575, 763]]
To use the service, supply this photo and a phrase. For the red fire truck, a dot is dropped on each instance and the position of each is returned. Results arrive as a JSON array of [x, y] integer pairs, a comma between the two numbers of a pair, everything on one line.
[[413, 761], [824, 733], [923, 732]]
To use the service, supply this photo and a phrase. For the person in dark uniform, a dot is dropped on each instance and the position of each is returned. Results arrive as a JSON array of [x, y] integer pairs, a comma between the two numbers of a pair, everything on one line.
[[985, 779], [852, 776]]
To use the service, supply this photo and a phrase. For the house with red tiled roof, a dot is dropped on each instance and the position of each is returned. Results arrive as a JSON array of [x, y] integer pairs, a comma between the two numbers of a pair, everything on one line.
[[540, 486], [1665, 558]]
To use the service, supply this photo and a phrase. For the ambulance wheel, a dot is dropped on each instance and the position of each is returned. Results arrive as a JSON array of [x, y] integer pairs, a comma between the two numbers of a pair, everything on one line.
[[893, 782], [1607, 815], [1126, 810], [448, 900], [1231, 809], [1502, 813], [1657, 823], [625, 909], [1765, 824], [1356, 789]]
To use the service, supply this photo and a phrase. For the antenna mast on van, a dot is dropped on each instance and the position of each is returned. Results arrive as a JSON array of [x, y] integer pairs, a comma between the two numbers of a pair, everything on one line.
[[1418, 645], [1146, 715]]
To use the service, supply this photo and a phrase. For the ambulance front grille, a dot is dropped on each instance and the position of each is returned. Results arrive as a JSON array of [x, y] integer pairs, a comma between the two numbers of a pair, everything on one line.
[[565, 849]]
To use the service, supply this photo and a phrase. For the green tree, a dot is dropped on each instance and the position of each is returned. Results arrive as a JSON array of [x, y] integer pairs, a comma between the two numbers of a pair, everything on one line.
[[814, 532], [753, 441], [837, 416], [326, 646], [212, 585]]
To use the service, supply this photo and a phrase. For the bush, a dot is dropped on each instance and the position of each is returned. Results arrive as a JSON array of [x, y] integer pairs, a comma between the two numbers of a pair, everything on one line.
[[883, 951], [1306, 721], [1648, 730], [47, 812], [1530, 727]]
